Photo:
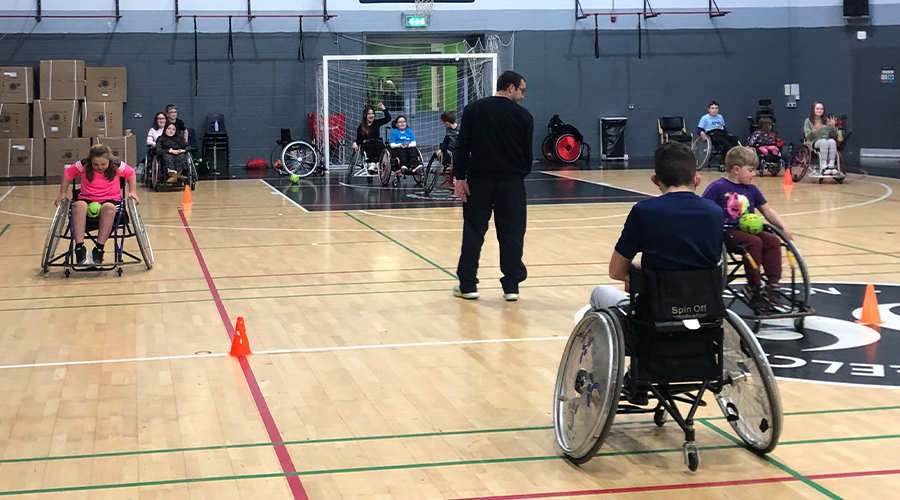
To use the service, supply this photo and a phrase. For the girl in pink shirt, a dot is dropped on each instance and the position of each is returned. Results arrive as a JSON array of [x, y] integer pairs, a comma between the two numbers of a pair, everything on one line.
[[99, 174]]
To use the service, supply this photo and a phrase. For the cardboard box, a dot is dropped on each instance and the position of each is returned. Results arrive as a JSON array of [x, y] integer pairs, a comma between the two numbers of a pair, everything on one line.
[[21, 158], [17, 85], [60, 153], [106, 84], [123, 148], [15, 120], [62, 79], [101, 119], [55, 119]]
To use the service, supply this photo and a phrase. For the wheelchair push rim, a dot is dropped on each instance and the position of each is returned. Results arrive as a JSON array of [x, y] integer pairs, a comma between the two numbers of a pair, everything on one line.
[[384, 167], [432, 171], [800, 163], [567, 148], [140, 232], [701, 148], [749, 396], [355, 160], [588, 385], [300, 158], [57, 227]]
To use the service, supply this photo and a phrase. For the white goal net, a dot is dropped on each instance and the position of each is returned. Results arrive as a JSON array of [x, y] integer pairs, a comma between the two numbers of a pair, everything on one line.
[[419, 87]]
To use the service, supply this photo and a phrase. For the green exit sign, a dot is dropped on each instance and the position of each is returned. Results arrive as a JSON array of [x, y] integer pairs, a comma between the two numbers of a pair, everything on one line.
[[416, 21]]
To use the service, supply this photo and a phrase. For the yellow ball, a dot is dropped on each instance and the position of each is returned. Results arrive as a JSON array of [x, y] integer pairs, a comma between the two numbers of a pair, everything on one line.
[[295, 178], [93, 209], [751, 223]]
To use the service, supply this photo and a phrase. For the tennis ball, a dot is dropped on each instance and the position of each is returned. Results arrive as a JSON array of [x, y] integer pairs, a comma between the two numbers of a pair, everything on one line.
[[751, 223], [295, 178], [93, 209]]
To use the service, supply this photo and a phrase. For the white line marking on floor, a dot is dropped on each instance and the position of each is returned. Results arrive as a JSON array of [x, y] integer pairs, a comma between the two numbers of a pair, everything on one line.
[[7, 193], [275, 191], [599, 184]]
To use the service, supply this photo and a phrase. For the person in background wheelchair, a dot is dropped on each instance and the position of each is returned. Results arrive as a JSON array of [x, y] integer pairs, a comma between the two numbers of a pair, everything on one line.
[[403, 147], [367, 135], [712, 127], [821, 133], [738, 197], [99, 173], [171, 150]]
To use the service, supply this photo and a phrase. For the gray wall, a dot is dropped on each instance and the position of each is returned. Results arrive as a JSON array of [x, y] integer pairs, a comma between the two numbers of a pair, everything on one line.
[[266, 88]]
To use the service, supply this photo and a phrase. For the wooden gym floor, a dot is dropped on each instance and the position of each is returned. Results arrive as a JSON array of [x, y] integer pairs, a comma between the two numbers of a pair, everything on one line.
[[370, 381]]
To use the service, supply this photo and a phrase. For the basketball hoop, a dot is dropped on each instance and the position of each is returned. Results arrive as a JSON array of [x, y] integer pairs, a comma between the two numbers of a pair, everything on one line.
[[424, 7]]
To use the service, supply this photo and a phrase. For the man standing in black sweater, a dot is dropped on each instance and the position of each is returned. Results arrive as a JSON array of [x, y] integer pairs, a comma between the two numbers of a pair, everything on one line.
[[492, 157]]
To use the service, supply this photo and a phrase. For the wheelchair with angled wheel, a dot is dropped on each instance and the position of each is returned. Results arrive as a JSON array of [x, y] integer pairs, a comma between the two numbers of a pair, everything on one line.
[[439, 167], [805, 162], [127, 224], [794, 296], [392, 170], [683, 345], [362, 166], [712, 150], [162, 176]]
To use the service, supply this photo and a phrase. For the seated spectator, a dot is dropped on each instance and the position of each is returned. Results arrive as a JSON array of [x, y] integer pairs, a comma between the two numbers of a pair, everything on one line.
[[172, 115], [159, 123], [171, 149]]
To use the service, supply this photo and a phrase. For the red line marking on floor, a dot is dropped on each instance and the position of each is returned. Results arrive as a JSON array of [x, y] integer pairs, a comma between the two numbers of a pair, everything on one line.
[[866, 473], [284, 458]]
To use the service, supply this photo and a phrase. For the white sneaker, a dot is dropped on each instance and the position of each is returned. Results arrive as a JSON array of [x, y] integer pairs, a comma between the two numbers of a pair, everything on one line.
[[464, 295], [510, 297], [372, 168]]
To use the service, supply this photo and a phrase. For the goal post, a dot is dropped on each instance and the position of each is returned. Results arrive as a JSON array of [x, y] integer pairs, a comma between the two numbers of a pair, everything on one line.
[[417, 86]]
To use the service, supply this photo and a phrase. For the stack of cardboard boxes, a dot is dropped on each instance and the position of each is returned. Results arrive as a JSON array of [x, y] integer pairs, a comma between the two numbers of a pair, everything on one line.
[[78, 107]]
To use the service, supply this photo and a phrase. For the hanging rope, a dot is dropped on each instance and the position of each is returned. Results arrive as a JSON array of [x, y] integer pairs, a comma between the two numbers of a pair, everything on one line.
[[640, 39], [596, 39], [300, 55], [196, 63], [230, 42]]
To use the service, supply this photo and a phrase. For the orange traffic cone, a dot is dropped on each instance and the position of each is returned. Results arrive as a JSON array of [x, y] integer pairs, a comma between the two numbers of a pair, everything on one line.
[[186, 199], [870, 314], [787, 191], [788, 178], [240, 346]]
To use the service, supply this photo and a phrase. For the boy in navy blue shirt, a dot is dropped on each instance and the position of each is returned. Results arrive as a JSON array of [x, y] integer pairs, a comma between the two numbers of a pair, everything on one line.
[[676, 231]]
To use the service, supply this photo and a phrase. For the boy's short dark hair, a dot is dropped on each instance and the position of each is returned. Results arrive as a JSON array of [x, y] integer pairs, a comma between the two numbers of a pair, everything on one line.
[[675, 164], [507, 78], [170, 107], [740, 156], [712, 103], [448, 116]]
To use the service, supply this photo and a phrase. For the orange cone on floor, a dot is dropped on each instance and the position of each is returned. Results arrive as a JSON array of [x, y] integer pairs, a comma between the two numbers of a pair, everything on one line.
[[240, 346], [186, 199], [787, 191], [788, 178], [870, 314]]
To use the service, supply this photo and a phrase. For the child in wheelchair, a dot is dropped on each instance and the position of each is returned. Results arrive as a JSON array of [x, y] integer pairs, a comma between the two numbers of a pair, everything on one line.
[[171, 150], [737, 196], [712, 124], [448, 118], [367, 136], [676, 231], [403, 147], [767, 144], [99, 173]]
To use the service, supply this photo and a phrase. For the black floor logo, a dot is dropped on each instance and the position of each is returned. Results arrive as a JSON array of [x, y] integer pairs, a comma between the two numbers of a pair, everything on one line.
[[833, 347]]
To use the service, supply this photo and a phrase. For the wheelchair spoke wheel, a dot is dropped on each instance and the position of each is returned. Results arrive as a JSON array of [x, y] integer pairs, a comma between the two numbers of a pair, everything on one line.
[[793, 267], [547, 148], [57, 227], [800, 163], [300, 158], [431, 174], [355, 161], [588, 385], [567, 148], [749, 396], [701, 148], [140, 232], [384, 167]]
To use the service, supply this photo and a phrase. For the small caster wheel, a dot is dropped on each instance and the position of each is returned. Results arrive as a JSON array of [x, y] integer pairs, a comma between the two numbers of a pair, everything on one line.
[[756, 326], [691, 455], [156, 188], [119, 271], [369, 180], [395, 181], [659, 417], [721, 168], [821, 181], [840, 180], [193, 185], [798, 325], [67, 273]]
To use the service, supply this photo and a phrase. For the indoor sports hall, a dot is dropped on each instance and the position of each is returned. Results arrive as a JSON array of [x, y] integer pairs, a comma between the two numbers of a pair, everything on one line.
[[290, 332]]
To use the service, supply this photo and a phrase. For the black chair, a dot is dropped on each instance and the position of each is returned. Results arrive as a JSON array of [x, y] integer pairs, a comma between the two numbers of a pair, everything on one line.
[[215, 141], [672, 128]]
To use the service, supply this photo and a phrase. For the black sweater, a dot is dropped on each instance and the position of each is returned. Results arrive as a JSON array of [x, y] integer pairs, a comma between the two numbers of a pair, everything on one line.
[[165, 143], [497, 133], [373, 130]]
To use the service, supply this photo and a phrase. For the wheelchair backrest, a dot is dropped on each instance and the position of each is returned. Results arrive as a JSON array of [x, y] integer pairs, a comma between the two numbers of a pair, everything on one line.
[[676, 296], [669, 124]]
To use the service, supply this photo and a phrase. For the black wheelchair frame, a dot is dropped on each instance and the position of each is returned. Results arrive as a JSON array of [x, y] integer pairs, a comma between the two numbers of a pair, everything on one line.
[[683, 343], [128, 224]]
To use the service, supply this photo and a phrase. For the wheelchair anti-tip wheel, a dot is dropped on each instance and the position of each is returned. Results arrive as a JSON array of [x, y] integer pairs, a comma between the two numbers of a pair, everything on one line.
[[384, 167], [701, 148], [140, 233], [749, 396], [588, 385], [300, 158], [57, 228]]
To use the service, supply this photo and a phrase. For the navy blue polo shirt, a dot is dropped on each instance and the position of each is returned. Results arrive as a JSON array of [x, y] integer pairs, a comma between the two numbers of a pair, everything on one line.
[[675, 231]]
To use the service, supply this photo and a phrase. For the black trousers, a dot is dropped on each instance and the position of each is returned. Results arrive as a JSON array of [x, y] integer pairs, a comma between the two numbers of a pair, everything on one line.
[[409, 157], [505, 197]]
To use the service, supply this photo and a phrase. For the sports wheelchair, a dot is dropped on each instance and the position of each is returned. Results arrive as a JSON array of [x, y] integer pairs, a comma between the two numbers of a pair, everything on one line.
[[794, 295], [682, 343], [127, 224], [439, 167], [564, 143], [390, 170], [363, 166], [158, 179], [806, 162], [712, 150]]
